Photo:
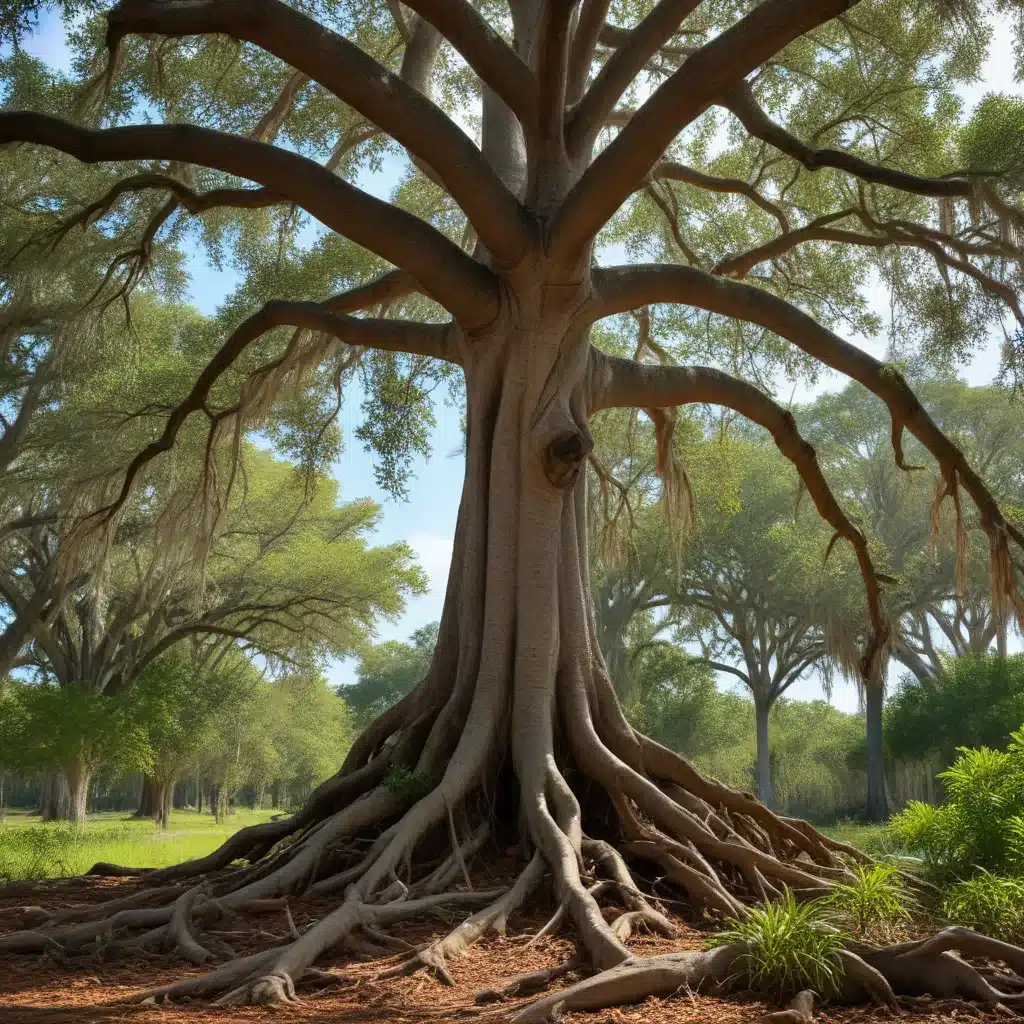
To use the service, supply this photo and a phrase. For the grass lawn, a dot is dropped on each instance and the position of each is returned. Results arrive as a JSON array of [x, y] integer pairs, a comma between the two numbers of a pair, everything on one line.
[[867, 837], [30, 849]]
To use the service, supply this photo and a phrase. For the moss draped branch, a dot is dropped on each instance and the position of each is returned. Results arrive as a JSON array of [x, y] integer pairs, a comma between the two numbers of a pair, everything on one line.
[[626, 383], [622, 288], [434, 340], [462, 285], [353, 76]]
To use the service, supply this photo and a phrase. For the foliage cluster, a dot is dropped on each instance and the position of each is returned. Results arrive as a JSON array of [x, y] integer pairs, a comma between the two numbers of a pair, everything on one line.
[[980, 827], [790, 947], [975, 701]]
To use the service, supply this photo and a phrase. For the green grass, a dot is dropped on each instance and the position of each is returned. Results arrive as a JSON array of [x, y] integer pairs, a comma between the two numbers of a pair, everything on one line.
[[868, 838], [32, 850]]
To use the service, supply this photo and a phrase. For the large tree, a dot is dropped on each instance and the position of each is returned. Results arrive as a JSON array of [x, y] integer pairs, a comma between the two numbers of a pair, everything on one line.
[[840, 130]]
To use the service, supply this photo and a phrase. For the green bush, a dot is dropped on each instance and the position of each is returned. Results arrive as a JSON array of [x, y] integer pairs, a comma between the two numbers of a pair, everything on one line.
[[791, 947], [877, 898], [975, 702], [981, 825], [406, 782], [988, 903]]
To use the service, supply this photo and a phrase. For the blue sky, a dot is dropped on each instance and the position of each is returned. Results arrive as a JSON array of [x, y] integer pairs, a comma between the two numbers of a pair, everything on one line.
[[427, 520]]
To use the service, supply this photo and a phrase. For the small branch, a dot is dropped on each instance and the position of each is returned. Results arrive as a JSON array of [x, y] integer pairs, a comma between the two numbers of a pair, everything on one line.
[[740, 100], [680, 172]]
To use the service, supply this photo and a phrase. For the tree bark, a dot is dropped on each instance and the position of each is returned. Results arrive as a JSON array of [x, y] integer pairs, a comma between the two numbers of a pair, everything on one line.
[[877, 805], [78, 776], [147, 799], [55, 798], [763, 767], [158, 798]]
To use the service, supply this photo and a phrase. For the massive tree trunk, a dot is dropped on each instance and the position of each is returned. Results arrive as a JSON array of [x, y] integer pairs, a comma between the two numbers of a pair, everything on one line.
[[516, 727], [878, 804], [515, 730]]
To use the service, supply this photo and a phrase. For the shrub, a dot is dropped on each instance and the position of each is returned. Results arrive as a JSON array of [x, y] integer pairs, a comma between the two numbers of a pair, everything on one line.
[[791, 947], [877, 898], [992, 904], [407, 782], [981, 825], [973, 703]]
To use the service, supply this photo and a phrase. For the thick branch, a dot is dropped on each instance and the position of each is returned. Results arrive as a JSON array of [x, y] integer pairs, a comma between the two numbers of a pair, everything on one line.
[[623, 288], [621, 69], [356, 78], [705, 76], [627, 383], [584, 43], [392, 335], [448, 274], [495, 62]]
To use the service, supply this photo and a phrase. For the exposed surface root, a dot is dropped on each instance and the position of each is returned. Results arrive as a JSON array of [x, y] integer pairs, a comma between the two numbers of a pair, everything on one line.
[[634, 981], [800, 1010]]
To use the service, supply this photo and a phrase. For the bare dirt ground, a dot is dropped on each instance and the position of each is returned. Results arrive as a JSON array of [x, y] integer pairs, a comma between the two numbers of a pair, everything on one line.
[[46, 990]]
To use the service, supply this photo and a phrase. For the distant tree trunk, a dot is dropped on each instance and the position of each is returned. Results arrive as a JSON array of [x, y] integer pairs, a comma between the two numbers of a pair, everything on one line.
[[877, 807], [78, 789], [163, 792], [763, 771], [54, 798], [147, 799], [215, 801], [275, 794]]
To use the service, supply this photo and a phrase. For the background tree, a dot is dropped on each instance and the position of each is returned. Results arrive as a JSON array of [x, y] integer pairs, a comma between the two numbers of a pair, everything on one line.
[[387, 672], [289, 574], [842, 130], [768, 606]]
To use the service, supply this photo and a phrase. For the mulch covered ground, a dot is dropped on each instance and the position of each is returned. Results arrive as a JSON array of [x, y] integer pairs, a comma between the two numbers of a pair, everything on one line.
[[44, 990]]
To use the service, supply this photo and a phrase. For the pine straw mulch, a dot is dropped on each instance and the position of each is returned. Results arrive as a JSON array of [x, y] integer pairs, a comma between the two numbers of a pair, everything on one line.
[[87, 989]]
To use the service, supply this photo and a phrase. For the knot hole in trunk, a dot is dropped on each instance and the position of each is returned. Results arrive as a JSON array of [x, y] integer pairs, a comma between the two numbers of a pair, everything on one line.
[[563, 445]]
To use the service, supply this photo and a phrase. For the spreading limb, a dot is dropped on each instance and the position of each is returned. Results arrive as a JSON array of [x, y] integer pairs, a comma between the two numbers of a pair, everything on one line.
[[353, 76], [452, 277]]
